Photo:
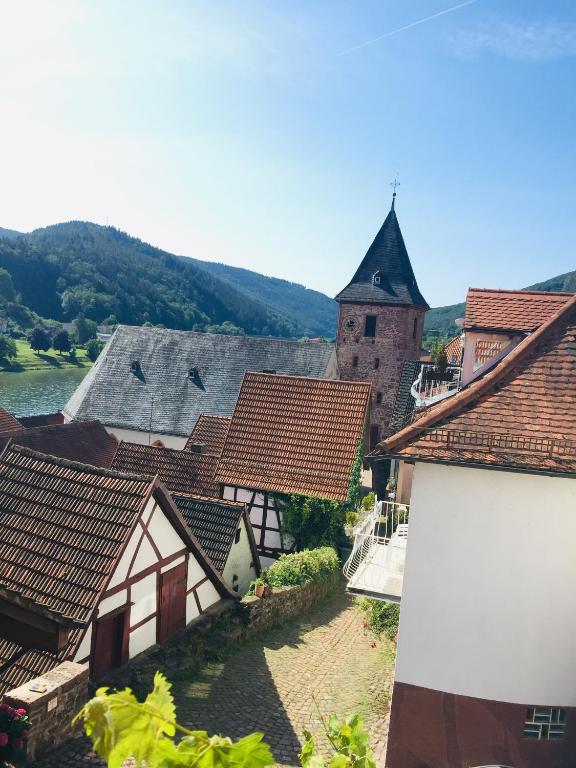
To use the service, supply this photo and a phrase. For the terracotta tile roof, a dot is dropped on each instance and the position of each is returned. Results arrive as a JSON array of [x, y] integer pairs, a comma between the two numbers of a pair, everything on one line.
[[9, 423], [294, 435], [214, 523], [84, 441], [181, 471], [521, 311], [209, 432], [454, 350], [61, 527], [520, 414]]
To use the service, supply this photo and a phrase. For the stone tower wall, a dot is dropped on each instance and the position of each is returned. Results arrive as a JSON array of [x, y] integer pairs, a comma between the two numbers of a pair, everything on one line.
[[393, 343]]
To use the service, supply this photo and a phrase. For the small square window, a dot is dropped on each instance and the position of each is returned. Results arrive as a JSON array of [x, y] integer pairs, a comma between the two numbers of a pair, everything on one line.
[[237, 536], [355, 361], [378, 398], [370, 326], [376, 363]]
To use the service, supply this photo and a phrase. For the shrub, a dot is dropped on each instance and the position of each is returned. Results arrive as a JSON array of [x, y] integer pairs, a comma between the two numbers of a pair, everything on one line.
[[368, 501], [8, 348], [13, 725], [93, 349], [303, 567], [382, 617]]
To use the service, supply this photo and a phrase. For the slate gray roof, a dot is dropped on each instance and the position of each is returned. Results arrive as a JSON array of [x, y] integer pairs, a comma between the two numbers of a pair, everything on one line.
[[214, 523], [405, 405], [182, 374], [388, 256]]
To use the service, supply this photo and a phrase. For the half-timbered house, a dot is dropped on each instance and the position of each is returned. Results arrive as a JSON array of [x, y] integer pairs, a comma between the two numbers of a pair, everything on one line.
[[290, 435], [95, 566]]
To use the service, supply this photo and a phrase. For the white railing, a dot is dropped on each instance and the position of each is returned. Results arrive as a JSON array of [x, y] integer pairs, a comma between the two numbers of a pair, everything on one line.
[[385, 520], [433, 385]]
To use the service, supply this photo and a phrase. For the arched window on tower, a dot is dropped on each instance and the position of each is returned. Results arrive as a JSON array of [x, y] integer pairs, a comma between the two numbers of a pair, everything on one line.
[[376, 278]]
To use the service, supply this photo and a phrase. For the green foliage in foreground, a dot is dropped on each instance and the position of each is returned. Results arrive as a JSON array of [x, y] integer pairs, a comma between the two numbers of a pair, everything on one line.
[[303, 567], [350, 743], [121, 727], [382, 617], [313, 522]]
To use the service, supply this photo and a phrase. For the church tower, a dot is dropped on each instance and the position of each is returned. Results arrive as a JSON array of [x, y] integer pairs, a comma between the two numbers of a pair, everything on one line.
[[380, 322]]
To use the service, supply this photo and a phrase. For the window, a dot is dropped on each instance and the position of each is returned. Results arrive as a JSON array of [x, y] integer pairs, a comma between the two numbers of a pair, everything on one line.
[[415, 328], [376, 363], [370, 326], [355, 361], [545, 723], [237, 536], [378, 398], [235, 584], [376, 278]]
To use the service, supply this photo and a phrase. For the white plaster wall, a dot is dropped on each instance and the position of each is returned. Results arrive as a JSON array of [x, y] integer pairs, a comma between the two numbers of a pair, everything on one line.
[[488, 606], [121, 572], [144, 598], [239, 561], [195, 572], [142, 638], [191, 608], [112, 602], [164, 535], [145, 557], [207, 595], [147, 438], [84, 648]]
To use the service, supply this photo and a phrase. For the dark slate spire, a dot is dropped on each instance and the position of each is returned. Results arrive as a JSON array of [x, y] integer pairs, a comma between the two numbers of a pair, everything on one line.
[[385, 275]]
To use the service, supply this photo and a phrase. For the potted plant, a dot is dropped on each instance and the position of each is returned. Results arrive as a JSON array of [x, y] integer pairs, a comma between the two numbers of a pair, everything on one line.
[[351, 521], [260, 587]]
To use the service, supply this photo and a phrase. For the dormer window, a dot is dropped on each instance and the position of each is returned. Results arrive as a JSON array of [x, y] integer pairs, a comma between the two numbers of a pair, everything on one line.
[[194, 374], [376, 278], [135, 367]]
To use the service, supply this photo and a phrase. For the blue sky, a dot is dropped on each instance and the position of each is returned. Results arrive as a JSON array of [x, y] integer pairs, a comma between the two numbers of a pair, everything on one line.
[[248, 132]]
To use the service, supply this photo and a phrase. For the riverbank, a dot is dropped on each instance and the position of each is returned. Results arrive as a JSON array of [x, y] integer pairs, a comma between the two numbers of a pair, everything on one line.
[[28, 360]]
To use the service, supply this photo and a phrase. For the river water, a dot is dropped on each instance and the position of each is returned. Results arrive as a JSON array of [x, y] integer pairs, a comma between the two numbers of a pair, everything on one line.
[[29, 393]]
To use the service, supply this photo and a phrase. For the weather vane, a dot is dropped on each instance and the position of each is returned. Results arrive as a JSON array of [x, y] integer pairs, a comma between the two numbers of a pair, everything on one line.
[[394, 184]]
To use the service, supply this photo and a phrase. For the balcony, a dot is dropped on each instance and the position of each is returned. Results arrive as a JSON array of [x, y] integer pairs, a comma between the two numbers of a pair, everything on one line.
[[434, 384], [375, 567]]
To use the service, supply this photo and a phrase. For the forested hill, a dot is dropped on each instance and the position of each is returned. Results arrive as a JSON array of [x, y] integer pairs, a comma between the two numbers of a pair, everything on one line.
[[442, 319], [80, 267]]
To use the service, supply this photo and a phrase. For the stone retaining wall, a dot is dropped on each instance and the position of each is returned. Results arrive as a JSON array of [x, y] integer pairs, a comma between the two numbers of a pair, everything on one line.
[[51, 712], [285, 602]]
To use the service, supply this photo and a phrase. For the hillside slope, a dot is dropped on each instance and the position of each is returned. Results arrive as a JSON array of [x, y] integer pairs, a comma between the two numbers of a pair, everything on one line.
[[442, 319], [290, 300], [80, 267]]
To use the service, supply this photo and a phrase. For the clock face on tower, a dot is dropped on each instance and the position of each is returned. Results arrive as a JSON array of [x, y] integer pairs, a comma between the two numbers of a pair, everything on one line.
[[350, 324]]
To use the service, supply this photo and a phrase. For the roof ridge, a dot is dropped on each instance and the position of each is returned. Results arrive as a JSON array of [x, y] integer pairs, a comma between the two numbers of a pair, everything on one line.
[[465, 397], [360, 384], [208, 499], [164, 448], [522, 291], [240, 337], [87, 468]]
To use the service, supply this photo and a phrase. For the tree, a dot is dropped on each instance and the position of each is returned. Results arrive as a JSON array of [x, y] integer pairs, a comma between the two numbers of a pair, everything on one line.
[[7, 291], [61, 341], [438, 356], [84, 329], [39, 339], [93, 349], [8, 348]]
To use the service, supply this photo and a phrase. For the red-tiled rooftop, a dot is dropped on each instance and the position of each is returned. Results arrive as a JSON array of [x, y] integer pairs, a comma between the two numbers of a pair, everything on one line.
[[8, 423], [522, 311], [521, 414], [454, 350], [295, 435], [181, 471], [85, 441], [209, 432]]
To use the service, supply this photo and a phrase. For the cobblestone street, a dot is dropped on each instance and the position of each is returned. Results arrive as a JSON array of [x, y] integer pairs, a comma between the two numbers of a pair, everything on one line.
[[279, 682]]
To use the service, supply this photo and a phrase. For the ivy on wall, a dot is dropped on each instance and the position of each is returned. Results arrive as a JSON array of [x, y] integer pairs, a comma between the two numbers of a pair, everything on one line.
[[314, 522]]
